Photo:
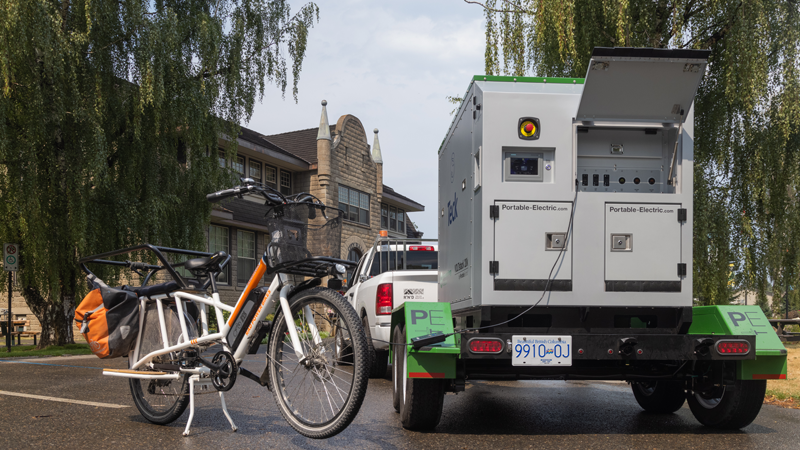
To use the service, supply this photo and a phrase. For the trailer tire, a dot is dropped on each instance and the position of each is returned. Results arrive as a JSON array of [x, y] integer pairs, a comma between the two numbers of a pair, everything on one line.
[[729, 409], [378, 359], [421, 400], [659, 397], [397, 365]]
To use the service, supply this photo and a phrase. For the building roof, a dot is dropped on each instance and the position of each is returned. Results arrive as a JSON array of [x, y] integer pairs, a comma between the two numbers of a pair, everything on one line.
[[254, 137], [302, 143], [391, 194]]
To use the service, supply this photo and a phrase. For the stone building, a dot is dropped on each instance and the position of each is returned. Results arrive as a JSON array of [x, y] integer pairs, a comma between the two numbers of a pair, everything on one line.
[[336, 164]]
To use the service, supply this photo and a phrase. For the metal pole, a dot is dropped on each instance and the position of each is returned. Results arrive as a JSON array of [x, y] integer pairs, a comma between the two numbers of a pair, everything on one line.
[[8, 330]]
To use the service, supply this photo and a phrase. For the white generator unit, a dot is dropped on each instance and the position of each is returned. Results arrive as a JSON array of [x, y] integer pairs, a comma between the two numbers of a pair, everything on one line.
[[520, 150]]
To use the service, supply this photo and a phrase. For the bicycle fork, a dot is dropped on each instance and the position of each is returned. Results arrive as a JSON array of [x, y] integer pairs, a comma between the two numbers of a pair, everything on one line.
[[294, 337]]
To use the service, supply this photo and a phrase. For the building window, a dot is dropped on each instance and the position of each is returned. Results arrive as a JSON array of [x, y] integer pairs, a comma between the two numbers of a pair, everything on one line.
[[218, 241], [238, 165], [286, 182], [222, 159], [401, 221], [245, 255], [355, 205], [392, 218], [270, 176], [255, 171]]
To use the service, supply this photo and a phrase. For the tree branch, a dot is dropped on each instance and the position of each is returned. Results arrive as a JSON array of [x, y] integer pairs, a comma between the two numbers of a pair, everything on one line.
[[482, 5]]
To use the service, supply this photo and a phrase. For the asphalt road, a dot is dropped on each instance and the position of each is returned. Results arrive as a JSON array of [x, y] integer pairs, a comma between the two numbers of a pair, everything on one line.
[[497, 415]]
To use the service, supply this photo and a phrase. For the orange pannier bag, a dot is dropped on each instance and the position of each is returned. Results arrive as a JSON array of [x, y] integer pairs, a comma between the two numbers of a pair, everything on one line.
[[109, 320]]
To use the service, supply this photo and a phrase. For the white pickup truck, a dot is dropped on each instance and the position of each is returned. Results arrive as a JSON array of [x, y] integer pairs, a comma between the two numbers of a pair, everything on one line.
[[392, 271]]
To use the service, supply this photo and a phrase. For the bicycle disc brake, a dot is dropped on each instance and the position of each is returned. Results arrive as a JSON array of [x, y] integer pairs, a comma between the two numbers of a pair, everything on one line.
[[224, 378]]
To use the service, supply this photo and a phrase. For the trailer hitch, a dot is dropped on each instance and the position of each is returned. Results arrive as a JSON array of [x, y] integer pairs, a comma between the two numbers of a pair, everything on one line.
[[626, 346]]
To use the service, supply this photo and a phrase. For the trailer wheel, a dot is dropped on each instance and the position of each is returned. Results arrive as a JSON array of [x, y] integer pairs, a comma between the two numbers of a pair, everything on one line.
[[397, 365], [378, 359], [421, 400], [662, 397], [729, 409]]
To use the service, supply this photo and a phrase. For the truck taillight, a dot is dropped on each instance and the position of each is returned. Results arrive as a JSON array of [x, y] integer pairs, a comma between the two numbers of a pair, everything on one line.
[[733, 347], [420, 248], [485, 345], [383, 299]]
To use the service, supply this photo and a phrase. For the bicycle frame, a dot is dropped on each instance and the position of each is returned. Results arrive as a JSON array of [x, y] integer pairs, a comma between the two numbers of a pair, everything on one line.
[[275, 297]]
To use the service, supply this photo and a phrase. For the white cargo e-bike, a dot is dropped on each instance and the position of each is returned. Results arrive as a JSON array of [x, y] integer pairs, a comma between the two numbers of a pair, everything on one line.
[[316, 364]]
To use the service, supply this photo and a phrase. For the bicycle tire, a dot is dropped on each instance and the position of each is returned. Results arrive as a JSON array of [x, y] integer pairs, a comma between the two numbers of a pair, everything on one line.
[[298, 388], [165, 403], [161, 401]]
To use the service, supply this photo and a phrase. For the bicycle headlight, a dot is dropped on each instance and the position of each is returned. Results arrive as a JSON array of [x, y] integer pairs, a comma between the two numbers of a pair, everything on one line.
[[341, 269]]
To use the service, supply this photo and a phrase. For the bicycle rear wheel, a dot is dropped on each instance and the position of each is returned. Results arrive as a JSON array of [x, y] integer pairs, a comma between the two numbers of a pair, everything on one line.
[[322, 394], [161, 401]]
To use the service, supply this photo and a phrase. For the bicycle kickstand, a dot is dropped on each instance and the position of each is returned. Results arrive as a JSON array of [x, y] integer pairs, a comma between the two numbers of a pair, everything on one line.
[[195, 379]]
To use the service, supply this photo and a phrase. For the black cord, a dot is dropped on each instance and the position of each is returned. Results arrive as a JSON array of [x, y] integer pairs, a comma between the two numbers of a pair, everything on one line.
[[546, 287]]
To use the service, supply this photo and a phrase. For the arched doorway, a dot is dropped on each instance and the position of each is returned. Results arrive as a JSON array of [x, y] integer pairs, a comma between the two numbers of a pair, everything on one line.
[[354, 254]]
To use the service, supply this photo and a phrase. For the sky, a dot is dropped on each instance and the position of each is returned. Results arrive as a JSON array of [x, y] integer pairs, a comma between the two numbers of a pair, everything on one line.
[[392, 65]]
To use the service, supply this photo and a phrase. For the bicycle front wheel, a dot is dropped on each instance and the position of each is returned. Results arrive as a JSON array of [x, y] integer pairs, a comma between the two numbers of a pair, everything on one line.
[[321, 393]]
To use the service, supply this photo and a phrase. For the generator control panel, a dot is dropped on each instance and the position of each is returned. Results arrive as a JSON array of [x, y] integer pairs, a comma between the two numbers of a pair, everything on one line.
[[527, 164]]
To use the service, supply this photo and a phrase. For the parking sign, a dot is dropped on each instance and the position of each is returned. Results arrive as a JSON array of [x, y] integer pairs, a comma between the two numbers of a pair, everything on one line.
[[10, 257]]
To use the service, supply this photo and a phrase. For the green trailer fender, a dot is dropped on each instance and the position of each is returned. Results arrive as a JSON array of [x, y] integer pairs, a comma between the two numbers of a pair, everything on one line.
[[770, 362], [421, 319]]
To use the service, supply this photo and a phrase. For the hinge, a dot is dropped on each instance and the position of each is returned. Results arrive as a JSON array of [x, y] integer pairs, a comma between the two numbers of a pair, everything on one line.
[[494, 267], [681, 269], [681, 214], [494, 211]]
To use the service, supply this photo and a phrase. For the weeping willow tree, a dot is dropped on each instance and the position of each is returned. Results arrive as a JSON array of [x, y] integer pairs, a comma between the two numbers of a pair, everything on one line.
[[110, 114], [747, 115]]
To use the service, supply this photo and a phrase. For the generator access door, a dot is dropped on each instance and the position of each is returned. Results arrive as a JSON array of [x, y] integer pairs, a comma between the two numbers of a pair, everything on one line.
[[643, 247], [641, 84], [529, 239]]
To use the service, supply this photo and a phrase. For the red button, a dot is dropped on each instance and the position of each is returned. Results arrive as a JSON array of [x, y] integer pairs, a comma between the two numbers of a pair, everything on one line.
[[528, 127]]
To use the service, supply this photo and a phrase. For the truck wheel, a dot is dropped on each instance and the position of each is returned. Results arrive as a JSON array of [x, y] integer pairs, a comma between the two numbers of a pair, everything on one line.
[[379, 359], [729, 409], [663, 397], [397, 365], [421, 400]]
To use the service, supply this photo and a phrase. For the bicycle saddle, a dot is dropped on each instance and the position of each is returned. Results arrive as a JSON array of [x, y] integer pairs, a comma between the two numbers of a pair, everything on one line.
[[205, 263]]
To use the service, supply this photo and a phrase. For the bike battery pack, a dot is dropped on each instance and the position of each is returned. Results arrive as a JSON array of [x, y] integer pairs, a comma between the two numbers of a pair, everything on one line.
[[246, 314]]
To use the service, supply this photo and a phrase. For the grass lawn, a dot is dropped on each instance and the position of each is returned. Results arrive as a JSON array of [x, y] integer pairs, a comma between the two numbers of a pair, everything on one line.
[[53, 350], [787, 392]]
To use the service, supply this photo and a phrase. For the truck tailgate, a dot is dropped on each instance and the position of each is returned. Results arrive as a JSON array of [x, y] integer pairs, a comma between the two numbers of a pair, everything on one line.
[[414, 285]]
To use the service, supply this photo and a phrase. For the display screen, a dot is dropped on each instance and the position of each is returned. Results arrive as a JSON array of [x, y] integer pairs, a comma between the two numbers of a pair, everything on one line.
[[524, 166]]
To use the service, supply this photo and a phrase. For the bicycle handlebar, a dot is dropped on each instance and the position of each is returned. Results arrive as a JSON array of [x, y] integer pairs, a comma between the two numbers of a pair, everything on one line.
[[271, 195]]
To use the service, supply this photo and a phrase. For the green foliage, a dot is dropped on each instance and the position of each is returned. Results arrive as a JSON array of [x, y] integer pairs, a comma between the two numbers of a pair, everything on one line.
[[747, 114], [52, 350], [110, 118]]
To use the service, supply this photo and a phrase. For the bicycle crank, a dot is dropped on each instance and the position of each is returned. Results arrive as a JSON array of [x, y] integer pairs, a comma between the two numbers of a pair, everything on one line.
[[223, 375]]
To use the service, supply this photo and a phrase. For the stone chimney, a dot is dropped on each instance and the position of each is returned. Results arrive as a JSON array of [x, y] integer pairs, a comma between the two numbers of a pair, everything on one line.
[[324, 152], [378, 159]]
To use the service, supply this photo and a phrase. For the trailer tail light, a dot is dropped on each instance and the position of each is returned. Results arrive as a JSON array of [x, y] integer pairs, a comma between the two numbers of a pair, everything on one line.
[[478, 345], [420, 248], [383, 299], [733, 347]]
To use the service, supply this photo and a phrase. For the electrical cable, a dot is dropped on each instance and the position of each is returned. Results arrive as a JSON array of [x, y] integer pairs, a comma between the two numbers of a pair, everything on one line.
[[546, 287]]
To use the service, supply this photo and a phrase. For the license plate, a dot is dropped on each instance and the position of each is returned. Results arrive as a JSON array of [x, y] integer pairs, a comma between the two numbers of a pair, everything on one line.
[[541, 351]]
